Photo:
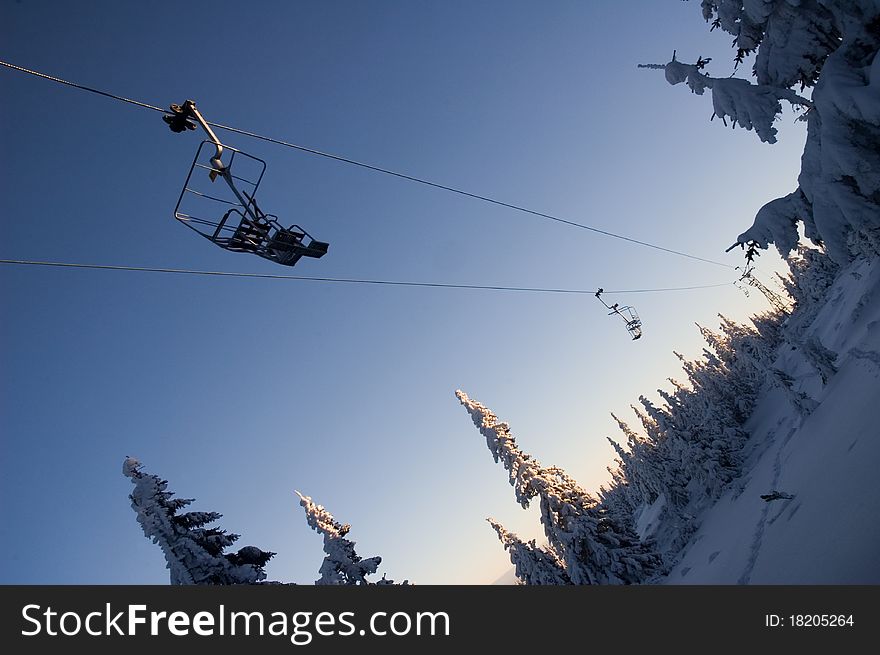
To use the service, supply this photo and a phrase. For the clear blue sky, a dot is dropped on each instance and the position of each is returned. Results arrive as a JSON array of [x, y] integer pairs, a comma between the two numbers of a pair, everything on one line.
[[240, 391]]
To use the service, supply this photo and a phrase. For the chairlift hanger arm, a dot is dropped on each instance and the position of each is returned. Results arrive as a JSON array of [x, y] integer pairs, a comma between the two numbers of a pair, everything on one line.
[[615, 308], [179, 121]]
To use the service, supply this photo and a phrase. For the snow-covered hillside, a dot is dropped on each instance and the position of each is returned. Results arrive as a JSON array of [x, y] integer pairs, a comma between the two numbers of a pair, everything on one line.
[[828, 531]]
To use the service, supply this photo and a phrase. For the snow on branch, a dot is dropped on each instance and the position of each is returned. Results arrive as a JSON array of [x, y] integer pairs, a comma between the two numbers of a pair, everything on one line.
[[752, 106], [776, 222]]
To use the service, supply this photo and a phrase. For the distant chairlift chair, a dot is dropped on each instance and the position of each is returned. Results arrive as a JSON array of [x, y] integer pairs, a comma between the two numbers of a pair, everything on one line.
[[629, 315]]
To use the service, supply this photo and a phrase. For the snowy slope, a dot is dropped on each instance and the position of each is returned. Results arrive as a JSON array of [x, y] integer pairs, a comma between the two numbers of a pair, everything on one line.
[[829, 531]]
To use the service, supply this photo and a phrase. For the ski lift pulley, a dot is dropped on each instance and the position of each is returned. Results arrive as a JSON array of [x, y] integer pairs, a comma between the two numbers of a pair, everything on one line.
[[179, 120], [243, 227], [629, 315]]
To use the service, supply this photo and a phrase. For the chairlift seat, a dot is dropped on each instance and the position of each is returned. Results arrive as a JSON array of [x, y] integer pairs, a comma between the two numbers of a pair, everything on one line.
[[244, 227], [318, 249], [287, 246], [249, 235], [285, 240]]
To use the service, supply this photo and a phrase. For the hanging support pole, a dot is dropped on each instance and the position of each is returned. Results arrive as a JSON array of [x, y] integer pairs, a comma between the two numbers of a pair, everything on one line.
[[189, 110]]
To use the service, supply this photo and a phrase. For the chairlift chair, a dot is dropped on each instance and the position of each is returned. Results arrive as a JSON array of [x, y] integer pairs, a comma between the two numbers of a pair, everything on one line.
[[739, 285], [633, 322], [244, 227], [629, 315]]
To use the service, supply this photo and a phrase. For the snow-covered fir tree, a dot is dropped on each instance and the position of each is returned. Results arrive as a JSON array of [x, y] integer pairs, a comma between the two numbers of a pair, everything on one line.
[[342, 565], [194, 553], [633, 483], [593, 547], [811, 274], [830, 46], [792, 38], [533, 564]]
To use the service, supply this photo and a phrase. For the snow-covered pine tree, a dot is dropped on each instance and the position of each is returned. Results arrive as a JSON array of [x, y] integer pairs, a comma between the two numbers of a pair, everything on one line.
[[342, 565], [193, 552], [641, 476], [792, 39], [745, 339], [594, 548], [831, 46], [662, 456], [811, 274], [769, 325], [751, 361], [533, 564], [702, 434], [700, 447], [650, 466], [707, 377], [618, 496], [628, 483]]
